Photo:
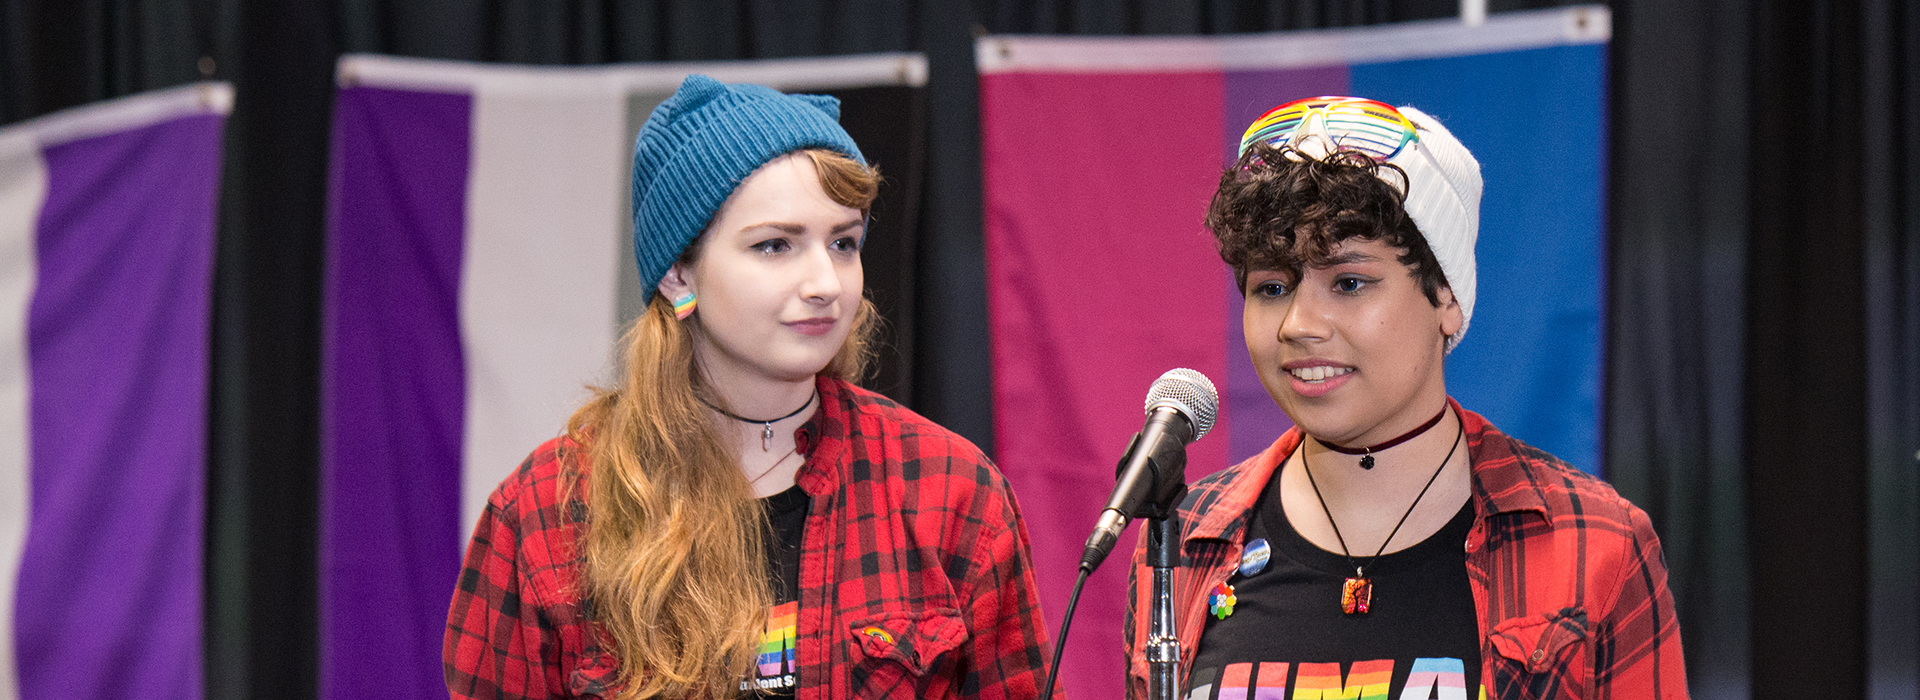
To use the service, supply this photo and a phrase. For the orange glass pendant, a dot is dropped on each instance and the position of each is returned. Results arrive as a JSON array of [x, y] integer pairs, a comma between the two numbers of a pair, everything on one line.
[[1357, 595]]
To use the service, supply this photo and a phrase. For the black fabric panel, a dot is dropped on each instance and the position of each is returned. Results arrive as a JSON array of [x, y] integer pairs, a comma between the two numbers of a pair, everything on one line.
[[1806, 358], [1676, 313], [262, 633], [889, 125], [952, 383], [1892, 279]]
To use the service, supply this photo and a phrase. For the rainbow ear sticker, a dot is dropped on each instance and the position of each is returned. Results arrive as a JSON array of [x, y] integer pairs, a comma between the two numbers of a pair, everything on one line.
[[1222, 600], [878, 633]]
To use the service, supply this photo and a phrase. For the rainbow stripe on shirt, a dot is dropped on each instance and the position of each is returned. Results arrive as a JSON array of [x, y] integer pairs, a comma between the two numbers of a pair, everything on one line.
[[776, 642]]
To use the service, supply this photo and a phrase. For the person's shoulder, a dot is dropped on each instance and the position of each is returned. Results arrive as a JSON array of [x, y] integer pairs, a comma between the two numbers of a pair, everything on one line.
[[1523, 471], [536, 483], [1230, 475], [1204, 494]]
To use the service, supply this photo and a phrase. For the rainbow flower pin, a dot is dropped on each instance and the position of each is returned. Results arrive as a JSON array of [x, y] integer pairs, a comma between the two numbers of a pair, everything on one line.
[[1220, 603]]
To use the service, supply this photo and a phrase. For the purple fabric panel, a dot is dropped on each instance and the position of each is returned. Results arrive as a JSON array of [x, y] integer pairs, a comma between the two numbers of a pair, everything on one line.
[[393, 391], [1252, 418], [109, 596]]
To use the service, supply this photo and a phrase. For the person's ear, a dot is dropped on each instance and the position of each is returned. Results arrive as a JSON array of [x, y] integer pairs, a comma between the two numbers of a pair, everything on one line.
[[1452, 317], [675, 285]]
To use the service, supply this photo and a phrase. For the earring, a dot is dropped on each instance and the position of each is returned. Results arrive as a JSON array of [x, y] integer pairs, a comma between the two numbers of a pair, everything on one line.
[[683, 306]]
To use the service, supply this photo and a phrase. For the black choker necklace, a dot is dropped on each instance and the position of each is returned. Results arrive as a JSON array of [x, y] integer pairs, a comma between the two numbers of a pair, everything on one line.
[[766, 434], [1367, 461]]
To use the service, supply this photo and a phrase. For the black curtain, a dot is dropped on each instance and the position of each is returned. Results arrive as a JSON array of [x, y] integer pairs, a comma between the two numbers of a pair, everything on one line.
[[1676, 325], [1763, 388]]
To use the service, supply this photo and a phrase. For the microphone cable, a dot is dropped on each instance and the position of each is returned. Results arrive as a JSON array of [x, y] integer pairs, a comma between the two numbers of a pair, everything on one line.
[[1060, 643]]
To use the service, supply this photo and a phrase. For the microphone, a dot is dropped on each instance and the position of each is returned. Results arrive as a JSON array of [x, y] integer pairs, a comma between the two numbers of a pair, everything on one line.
[[1181, 407]]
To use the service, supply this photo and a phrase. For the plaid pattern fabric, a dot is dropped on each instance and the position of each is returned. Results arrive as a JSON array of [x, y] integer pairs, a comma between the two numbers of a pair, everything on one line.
[[915, 575], [1569, 582]]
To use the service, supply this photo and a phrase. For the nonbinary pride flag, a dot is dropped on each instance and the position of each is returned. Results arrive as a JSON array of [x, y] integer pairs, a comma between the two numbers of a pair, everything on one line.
[[1100, 156], [106, 274], [479, 269]]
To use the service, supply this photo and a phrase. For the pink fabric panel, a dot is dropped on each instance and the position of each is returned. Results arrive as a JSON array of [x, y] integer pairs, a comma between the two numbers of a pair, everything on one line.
[[1101, 276]]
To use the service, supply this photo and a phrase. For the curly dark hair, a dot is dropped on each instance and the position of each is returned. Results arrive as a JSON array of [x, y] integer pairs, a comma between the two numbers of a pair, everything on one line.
[[1281, 209]]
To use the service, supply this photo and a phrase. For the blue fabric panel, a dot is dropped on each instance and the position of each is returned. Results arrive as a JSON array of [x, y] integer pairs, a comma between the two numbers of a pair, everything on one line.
[[1536, 119]]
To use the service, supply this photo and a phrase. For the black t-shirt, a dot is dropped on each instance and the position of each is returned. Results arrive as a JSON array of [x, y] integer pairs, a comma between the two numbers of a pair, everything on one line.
[[1287, 636], [778, 674]]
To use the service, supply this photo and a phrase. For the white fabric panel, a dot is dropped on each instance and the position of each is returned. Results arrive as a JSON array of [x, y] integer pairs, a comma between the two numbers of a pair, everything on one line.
[[544, 242], [23, 188], [1435, 38], [784, 74]]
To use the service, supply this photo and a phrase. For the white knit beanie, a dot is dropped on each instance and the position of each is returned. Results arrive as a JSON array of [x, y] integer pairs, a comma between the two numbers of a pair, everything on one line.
[[1443, 197]]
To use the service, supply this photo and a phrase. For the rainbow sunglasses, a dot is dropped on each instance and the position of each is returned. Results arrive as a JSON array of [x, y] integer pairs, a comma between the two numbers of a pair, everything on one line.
[[1370, 127]]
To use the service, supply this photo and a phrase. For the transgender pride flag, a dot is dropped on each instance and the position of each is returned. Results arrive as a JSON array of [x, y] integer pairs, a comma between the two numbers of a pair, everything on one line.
[[106, 277], [1100, 155], [479, 269]]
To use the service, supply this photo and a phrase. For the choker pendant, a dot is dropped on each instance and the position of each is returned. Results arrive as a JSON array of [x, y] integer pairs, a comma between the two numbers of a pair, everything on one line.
[[766, 426], [1356, 596]]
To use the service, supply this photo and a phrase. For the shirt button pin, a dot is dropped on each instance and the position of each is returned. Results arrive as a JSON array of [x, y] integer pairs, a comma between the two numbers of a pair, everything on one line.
[[1539, 654]]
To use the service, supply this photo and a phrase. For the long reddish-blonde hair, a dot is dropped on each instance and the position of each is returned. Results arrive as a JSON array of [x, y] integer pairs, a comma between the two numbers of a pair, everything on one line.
[[673, 530]]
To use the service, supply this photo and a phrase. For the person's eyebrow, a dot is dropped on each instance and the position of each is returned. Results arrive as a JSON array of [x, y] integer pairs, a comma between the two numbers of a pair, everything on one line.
[[1350, 257], [780, 226], [797, 229]]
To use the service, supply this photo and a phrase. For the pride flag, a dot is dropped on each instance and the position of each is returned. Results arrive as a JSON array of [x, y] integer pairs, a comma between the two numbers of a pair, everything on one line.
[[1100, 156], [479, 269], [106, 281]]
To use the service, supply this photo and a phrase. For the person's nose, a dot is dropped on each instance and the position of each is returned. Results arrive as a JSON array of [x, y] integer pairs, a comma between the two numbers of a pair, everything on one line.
[[1305, 319]]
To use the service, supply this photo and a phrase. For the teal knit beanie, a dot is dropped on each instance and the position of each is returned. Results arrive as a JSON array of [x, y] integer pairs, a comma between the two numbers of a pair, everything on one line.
[[698, 145]]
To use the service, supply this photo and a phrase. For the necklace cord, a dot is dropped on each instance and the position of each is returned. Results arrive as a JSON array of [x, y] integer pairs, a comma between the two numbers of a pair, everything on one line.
[[770, 468], [1403, 516], [768, 423]]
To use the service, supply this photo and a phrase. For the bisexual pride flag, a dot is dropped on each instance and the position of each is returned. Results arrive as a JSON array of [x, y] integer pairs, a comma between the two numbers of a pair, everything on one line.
[[106, 280], [479, 269], [1100, 156]]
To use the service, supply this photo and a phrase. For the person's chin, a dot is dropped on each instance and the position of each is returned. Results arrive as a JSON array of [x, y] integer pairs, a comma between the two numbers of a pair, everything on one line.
[[1321, 416]]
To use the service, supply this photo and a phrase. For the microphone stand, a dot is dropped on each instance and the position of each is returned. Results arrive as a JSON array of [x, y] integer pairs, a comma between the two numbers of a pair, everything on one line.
[[1163, 636], [1166, 485]]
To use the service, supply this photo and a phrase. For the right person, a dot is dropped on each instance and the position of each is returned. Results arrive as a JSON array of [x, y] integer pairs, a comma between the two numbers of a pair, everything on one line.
[[1392, 544]]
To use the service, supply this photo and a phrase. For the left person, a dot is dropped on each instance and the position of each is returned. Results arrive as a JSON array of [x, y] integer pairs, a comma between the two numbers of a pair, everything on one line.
[[736, 518]]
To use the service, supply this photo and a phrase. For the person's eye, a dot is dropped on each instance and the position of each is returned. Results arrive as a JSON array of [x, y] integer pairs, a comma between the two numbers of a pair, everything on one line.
[[846, 244], [772, 245], [1270, 289], [1350, 285]]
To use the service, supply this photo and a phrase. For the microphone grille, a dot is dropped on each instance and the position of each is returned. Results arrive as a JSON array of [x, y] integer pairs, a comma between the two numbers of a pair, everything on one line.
[[1188, 392]]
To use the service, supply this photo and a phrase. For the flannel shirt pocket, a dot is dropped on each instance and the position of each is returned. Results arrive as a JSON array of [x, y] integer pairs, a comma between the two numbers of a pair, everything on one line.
[[915, 639], [1538, 641], [1539, 646]]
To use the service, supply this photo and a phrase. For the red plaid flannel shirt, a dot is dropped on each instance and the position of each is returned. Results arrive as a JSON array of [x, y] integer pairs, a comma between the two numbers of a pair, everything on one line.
[[911, 531], [1568, 579]]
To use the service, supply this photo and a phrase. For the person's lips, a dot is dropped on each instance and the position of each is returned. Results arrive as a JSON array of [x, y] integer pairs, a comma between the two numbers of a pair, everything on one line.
[[812, 326]]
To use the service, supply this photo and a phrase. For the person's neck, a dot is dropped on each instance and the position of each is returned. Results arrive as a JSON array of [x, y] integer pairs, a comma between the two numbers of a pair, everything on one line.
[[1423, 481], [759, 398], [1412, 460], [769, 462]]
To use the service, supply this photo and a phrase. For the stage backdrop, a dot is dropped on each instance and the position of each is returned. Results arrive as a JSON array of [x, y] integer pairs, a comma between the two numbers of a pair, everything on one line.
[[1100, 155], [106, 282], [479, 269]]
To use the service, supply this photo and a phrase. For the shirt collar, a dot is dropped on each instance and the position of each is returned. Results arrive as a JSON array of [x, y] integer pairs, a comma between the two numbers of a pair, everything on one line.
[[1501, 479], [823, 439]]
